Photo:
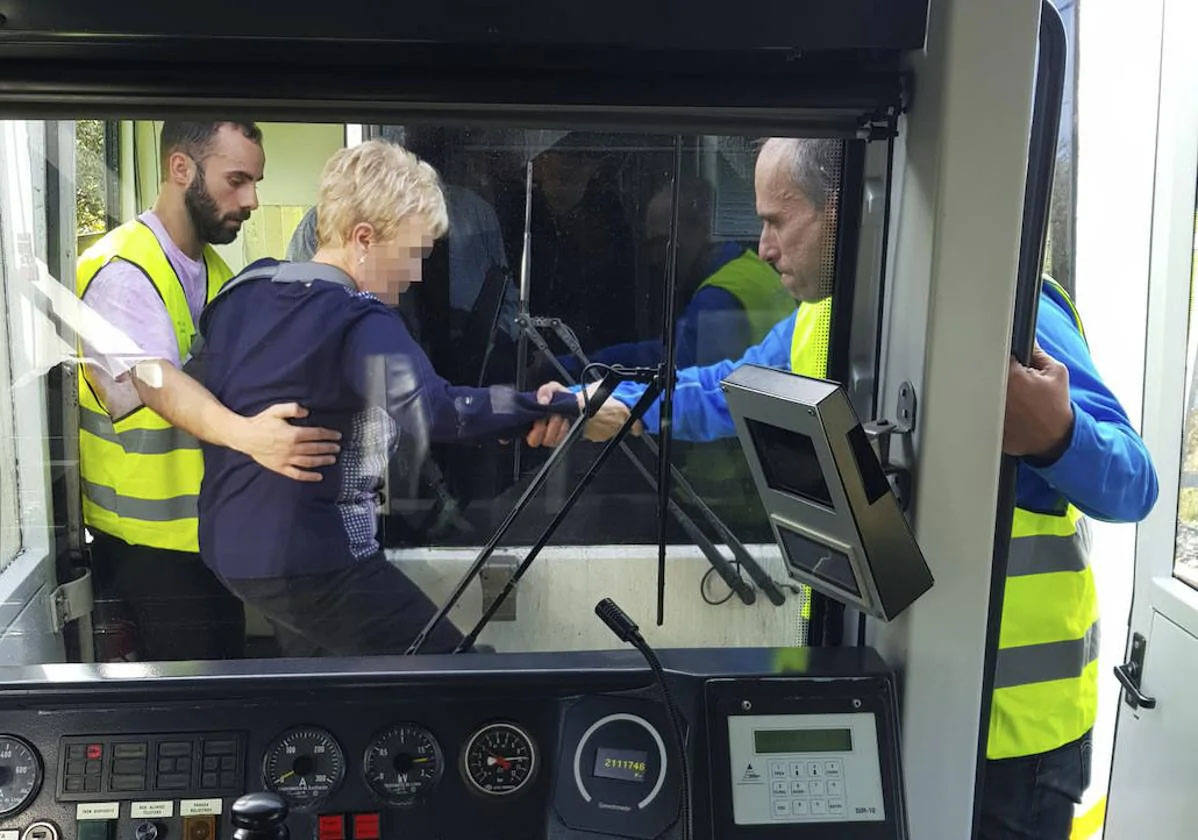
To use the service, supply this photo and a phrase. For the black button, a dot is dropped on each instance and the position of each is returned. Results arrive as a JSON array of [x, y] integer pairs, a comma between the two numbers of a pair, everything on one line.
[[129, 750], [76, 751], [228, 762], [166, 765], [93, 767], [183, 765], [174, 748], [173, 781], [91, 784], [210, 780], [220, 747], [75, 767], [212, 763], [128, 783], [128, 766], [228, 780], [74, 784]]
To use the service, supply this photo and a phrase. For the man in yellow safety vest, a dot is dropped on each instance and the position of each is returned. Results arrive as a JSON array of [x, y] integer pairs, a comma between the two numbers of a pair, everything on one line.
[[139, 415], [1078, 455]]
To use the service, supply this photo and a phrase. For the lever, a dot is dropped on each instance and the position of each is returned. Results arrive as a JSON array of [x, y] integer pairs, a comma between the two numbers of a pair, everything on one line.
[[260, 816]]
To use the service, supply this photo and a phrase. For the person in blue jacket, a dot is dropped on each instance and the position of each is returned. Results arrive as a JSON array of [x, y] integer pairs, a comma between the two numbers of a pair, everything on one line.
[[322, 333], [1078, 454]]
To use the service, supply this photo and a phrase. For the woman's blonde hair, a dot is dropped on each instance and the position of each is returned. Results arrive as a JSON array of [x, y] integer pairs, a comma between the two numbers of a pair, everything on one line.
[[381, 184]]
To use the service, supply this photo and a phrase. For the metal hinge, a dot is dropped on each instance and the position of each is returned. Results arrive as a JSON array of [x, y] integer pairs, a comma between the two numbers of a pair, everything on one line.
[[1131, 672], [493, 577], [882, 430], [72, 601]]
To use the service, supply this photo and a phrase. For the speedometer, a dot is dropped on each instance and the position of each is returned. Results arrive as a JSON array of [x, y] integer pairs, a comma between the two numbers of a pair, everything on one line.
[[20, 774], [303, 765], [403, 764]]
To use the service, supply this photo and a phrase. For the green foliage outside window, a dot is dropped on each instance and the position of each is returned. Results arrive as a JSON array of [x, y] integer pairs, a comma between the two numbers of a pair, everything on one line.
[[89, 174]]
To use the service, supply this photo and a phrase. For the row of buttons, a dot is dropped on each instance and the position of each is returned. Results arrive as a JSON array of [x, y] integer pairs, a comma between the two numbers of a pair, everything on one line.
[[832, 768], [81, 773], [808, 807], [364, 827], [134, 768], [814, 787], [220, 764]]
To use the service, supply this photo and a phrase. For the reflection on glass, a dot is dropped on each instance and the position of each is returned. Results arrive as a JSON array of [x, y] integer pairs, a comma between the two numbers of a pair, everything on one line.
[[160, 234], [1186, 554]]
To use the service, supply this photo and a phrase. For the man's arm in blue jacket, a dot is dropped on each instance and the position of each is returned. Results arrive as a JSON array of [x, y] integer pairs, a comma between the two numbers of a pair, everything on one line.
[[700, 411], [1105, 470]]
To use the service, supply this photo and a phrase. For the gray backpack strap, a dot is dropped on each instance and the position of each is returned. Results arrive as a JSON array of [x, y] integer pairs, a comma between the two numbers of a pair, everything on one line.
[[283, 272]]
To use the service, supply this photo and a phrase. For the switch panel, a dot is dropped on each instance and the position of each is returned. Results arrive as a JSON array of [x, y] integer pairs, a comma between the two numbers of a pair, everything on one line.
[[135, 766]]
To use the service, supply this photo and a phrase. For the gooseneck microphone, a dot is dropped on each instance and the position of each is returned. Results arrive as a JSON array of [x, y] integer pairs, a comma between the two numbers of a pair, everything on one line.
[[626, 630]]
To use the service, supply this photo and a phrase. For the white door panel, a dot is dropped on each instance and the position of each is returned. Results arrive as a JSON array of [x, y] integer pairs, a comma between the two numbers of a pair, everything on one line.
[[1153, 781], [1154, 775]]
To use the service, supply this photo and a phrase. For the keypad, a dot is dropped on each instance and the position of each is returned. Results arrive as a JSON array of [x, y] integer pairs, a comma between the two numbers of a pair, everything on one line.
[[811, 789]]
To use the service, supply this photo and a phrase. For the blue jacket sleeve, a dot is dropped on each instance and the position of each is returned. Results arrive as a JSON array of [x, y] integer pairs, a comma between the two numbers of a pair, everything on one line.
[[700, 412], [388, 370], [712, 327], [1106, 470]]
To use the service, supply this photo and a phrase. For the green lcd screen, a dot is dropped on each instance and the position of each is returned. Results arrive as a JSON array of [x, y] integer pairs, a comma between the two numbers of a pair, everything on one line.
[[802, 740]]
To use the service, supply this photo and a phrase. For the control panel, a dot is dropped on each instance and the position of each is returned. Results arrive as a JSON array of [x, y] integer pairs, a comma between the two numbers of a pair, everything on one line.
[[493, 747], [817, 757], [805, 768]]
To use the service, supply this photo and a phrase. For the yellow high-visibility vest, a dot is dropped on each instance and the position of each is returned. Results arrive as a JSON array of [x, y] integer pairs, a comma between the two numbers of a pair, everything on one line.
[[1046, 679], [141, 475], [809, 343], [809, 357], [755, 284], [1046, 676]]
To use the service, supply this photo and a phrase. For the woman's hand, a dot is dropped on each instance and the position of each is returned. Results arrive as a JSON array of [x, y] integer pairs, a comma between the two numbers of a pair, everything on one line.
[[551, 431]]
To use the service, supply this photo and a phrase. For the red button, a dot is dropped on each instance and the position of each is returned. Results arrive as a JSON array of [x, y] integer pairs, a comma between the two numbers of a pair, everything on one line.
[[94, 751], [366, 827], [330, 827]]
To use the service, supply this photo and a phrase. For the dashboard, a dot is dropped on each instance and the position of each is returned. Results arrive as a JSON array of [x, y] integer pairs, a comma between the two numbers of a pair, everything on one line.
[[494, 747]]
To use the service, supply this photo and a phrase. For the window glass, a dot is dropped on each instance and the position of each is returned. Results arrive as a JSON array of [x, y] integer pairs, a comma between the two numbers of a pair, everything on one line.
[[417, 317], [10, 530], [1186, 555]]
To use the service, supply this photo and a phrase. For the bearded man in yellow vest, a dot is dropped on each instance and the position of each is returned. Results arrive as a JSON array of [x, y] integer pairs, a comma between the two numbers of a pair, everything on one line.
[[139, 415], [1078, 455]]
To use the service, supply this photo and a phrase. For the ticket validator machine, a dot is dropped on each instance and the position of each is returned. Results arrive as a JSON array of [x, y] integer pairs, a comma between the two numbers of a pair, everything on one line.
[[782, 755]]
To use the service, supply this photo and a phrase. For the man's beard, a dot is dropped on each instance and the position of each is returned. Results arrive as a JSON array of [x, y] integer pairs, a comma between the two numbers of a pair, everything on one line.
[[210, 225]]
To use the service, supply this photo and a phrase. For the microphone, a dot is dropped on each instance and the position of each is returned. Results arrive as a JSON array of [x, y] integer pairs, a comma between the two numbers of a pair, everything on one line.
[[626, 630]]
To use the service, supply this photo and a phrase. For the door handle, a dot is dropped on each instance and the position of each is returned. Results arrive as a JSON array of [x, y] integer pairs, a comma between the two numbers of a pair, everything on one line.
[[1129, 673], [1128, 677]]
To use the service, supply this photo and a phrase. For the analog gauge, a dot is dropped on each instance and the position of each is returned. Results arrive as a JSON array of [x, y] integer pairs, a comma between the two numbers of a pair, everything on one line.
[[303, 765], [20, 774], [403, 764], [499, 760]]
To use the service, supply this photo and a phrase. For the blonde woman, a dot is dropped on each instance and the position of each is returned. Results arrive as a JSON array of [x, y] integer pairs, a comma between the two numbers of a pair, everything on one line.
[[321, 334]]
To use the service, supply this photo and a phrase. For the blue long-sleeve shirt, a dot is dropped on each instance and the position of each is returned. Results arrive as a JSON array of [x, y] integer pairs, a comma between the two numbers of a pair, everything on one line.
[[1105, 471], [714, 314]]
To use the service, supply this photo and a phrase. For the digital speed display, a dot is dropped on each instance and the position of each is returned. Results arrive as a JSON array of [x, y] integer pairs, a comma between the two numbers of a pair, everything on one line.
[[624, 765]]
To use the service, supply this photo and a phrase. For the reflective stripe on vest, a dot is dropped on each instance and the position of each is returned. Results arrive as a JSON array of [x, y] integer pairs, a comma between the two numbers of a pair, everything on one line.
[[141, 475], [1046, 675], [755, 284]]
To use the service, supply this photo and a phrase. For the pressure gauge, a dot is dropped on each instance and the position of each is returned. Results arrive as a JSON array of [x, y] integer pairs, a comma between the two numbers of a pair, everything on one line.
[[20, 774], [500, 759]]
